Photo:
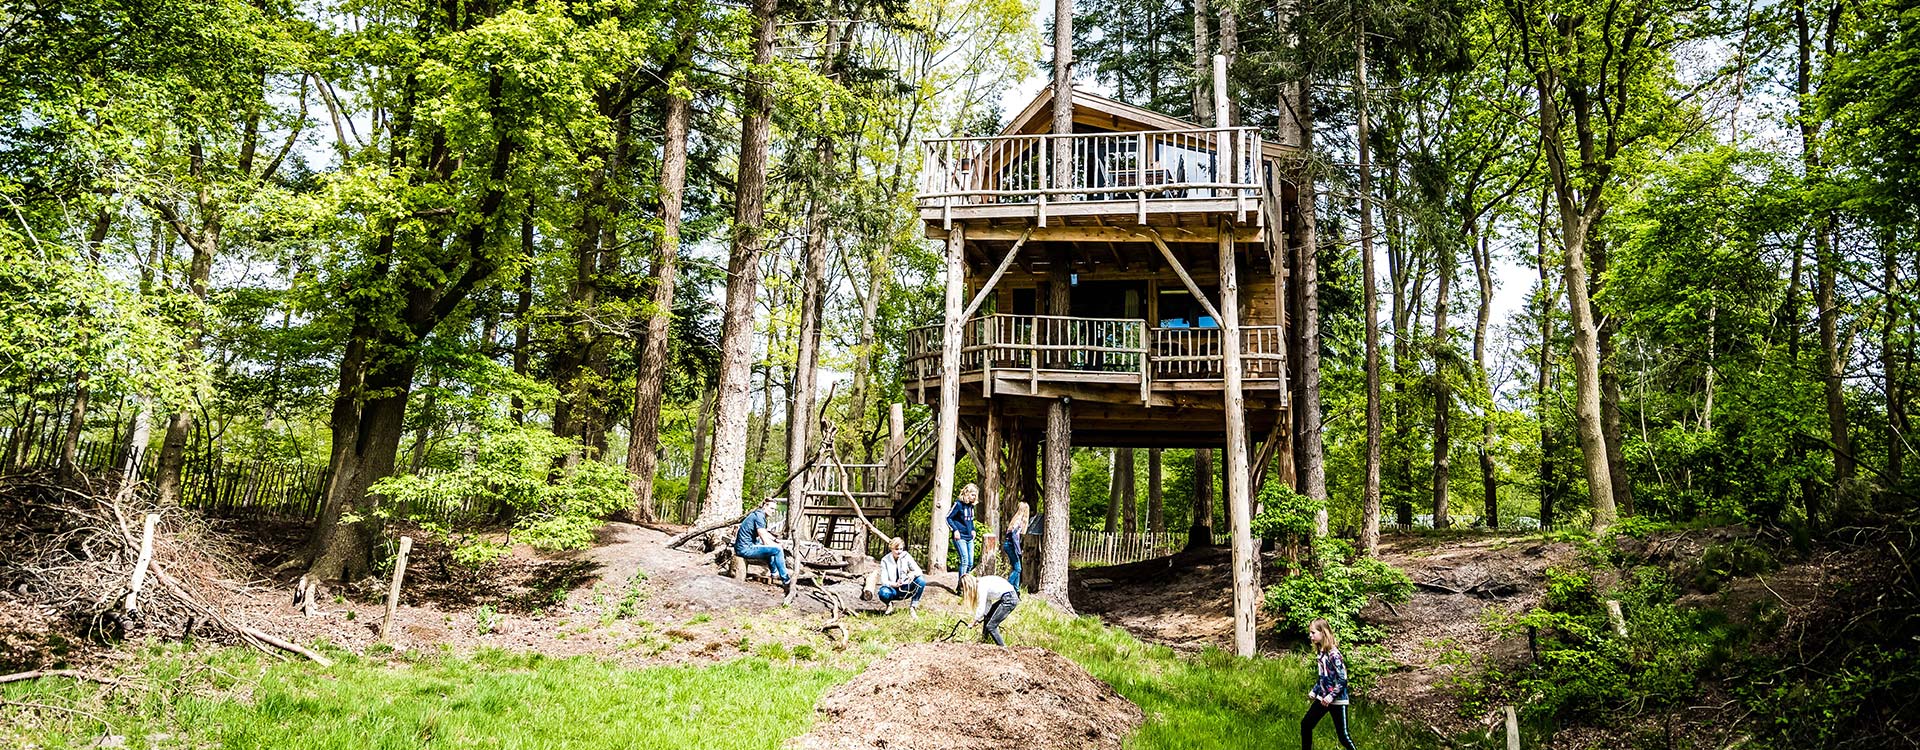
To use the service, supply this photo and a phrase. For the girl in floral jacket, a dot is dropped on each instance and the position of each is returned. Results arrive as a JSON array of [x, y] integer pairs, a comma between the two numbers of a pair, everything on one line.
[[1329, 694]]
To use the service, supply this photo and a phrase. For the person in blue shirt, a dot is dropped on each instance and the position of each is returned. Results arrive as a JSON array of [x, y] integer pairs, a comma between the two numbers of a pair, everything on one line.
[[1012, 543], [754, 542], [960, 520]]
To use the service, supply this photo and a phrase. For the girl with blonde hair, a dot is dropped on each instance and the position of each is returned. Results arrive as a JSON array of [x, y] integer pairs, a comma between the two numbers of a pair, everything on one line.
[[991, 598], [1330, 694], [1011, 541]]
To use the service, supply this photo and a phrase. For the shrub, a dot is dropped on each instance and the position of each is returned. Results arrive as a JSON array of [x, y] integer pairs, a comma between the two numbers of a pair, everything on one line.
[[1338, 591], [1734, 559], [1571, 591]]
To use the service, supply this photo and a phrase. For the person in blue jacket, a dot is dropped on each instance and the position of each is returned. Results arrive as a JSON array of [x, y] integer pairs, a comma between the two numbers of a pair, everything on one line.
[[960, 520], [1330, 694], [753, 541]]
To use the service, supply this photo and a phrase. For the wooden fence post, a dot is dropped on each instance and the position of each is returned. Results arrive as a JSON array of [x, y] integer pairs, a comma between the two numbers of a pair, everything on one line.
[[1618, 618], [140, 565], [393, 592], [1513, 729]]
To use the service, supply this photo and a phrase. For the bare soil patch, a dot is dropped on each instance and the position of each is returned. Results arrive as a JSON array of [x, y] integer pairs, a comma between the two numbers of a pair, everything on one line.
[[1184, 601], [972, 697]]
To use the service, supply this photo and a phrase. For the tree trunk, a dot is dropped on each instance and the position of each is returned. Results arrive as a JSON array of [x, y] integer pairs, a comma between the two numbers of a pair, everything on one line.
[[173, 447], [1370, 491], [1549, 482], [1489, 481], [650, 383], [946, 454], [1296, 129], [1610, 390], [1890, 365], [1200, 534], [1156, 512], [800, 417], [1442, 395], [697, 464], [1113, 491], [1202, 64], [522, 316], [726, 479], [1058, 490]]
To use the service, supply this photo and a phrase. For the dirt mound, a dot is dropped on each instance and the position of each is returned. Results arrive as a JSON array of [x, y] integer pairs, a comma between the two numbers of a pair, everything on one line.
[[972, 696]]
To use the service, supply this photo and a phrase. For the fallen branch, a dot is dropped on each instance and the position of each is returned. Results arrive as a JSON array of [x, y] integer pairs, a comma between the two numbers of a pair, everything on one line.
[[1435, 587], [688, 536], [277, 642], [68, 673], [62, 709]]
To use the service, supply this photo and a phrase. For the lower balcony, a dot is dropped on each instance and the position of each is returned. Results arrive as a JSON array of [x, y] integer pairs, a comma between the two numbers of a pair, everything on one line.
[[1019, 354]]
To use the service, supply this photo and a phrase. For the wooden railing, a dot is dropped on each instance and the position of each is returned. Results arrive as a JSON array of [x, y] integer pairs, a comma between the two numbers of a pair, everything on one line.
[[1194, 353], [1139, 166], [1055, 348], [1038, 345]]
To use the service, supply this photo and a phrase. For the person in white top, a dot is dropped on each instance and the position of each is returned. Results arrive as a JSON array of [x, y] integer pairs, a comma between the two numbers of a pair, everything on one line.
[[991, 598], [900, 577]]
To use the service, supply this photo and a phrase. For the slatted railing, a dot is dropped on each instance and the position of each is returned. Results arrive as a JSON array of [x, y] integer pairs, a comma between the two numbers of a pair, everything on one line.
[[1141, 167], [1045, 347], [1194, 353]]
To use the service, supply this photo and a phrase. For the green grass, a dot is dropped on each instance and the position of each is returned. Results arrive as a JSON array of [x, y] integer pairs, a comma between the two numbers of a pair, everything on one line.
[[232, 698], [237, 699]]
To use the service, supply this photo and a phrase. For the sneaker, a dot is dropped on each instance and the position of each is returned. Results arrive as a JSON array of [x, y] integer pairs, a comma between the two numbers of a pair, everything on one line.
[[915, 611], [889, 609]]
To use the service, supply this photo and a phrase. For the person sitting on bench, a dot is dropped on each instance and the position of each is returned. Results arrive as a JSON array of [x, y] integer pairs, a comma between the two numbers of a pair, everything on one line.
[[900, 577], [754, 542], [991, 598]]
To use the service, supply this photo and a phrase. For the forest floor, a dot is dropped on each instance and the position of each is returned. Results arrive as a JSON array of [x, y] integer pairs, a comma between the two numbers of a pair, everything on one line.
[[629, 644], [1185, 602]]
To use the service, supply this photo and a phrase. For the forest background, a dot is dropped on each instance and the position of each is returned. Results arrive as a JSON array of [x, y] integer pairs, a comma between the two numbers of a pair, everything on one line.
[[586, 258]]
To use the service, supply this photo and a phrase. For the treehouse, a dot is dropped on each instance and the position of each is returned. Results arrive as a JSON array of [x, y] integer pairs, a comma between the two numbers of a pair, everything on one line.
[[1133, 269]]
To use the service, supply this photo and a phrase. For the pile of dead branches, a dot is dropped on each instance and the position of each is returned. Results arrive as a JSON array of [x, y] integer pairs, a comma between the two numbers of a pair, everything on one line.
[[80, 563]]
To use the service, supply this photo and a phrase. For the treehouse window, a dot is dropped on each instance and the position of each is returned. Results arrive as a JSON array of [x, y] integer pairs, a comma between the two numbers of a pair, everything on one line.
[[1178, 309]]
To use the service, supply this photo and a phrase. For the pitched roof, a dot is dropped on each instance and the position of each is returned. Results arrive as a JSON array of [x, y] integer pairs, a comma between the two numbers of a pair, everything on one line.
[[1103, 114]]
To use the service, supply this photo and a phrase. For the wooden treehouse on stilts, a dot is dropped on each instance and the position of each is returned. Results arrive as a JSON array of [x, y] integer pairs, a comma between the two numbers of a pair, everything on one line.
[[1122, 285]]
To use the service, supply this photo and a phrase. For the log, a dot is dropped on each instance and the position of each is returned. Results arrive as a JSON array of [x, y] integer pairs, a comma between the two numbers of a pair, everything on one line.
[[68, 673], [393, 589], [1513, 729], [140, 565], [277, 642], [688, 536]]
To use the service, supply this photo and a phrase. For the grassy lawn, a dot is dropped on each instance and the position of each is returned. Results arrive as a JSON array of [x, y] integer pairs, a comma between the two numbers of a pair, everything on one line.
[[232, 698]]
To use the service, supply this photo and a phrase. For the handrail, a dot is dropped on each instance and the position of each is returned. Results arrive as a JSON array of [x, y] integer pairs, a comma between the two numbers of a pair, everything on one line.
[[1035, 136], [1135, 166]]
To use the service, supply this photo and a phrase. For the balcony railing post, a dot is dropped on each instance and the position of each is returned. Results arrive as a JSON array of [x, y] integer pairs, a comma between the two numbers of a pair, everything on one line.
[[1140, 180], [987, 339]]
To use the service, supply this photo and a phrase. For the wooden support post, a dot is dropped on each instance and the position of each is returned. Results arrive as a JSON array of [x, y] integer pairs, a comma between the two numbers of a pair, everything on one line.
[[948, 426], [1513, 729], [737, 567], [1246, 557], [393, 589], [141, 564], [989, 467]]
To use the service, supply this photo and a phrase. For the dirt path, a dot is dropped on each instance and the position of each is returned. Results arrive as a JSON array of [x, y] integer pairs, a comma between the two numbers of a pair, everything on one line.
[[628, 598]]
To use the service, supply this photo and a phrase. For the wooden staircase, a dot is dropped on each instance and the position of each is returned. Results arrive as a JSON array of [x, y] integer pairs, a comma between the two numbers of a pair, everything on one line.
[[889, 489]]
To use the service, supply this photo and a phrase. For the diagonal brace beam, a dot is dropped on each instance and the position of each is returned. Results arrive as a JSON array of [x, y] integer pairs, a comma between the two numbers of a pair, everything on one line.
[[1181, 271], [987, 288]]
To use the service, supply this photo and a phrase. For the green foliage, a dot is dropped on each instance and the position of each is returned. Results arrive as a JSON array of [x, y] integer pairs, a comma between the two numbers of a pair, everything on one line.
[[1734, 559], [514, 467], [1337, 590], [1285, 515], [1570, 590]]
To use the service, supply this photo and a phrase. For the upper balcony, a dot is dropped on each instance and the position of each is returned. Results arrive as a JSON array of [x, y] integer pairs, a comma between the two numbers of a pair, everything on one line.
[[1135, 175]]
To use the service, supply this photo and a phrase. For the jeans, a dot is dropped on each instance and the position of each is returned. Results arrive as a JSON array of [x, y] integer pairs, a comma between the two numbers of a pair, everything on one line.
[[965, 547], [1315, 710], [990, 629], [892, 594], [1013, 561], [775, 557]]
